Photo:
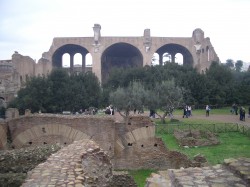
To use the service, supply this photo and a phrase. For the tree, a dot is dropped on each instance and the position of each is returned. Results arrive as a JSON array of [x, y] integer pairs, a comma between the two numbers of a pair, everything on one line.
[[230, 63], [59, 92], [238, 65], [127, 99], [166, 96]]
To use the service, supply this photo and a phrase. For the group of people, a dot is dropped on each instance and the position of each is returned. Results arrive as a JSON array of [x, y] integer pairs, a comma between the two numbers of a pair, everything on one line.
[[110, 110], [242, 111], [187, 111]]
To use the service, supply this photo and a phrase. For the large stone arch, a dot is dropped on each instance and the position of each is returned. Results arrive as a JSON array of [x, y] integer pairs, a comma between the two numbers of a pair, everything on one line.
[[173, 49], [120, 55], [71, 49], [49, 133]]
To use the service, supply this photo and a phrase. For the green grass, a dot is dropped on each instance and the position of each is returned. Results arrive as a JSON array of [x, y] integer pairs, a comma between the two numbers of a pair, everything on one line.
[[233, 145], [141, 175]]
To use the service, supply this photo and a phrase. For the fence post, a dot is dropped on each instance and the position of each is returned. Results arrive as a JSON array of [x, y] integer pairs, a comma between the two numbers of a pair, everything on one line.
[[237, 127], [214, 128]]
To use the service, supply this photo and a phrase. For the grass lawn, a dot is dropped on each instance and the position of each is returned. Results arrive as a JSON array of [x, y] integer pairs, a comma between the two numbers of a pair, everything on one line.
[[141, 175], [233, 145]]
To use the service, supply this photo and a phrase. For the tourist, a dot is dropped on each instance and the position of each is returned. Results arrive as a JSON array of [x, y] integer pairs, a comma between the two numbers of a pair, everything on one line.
[[236, 110], [185, 112], [189, 109], [242, 113], [207, 110]]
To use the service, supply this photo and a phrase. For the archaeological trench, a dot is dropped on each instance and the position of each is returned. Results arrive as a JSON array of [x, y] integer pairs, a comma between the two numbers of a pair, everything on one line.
[[84, 150]]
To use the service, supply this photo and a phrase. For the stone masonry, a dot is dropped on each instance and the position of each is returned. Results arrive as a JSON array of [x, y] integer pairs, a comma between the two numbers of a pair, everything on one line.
[[233, 172], [130, 146], [106, 53], [79, 164]]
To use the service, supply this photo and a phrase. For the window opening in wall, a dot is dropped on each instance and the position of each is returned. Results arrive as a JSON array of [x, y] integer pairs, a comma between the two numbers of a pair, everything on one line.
[[77, 60], [129, 123], [65, 143], [30, 143], [44, 143], [166, 58], [155, 59], [130, 144], [202, 50], [43, 129], [179, 58], [155, 145], [66, 60], [142, 145], [89, 60], [208, 53], [147, 126]]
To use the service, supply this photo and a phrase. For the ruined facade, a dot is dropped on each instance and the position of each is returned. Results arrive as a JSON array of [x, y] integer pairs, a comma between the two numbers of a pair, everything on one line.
[[107, 53], [131, 146]]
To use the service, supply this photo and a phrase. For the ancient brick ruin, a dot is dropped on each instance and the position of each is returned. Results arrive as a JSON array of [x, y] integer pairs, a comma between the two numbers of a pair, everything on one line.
[[107, 53], [131, 146]]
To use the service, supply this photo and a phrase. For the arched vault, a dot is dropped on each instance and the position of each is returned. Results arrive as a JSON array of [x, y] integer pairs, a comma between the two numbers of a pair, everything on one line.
[[172, 50], [120, 55]]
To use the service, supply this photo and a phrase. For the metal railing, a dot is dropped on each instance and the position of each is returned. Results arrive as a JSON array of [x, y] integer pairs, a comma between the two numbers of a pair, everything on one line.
[[214, 128]]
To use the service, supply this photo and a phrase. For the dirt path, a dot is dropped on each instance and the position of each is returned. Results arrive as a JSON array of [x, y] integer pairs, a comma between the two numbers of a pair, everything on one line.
[[213, 117], [223, 118]]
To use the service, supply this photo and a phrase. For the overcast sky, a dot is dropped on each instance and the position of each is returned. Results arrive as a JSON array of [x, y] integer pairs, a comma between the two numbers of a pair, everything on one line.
[[29, 26]]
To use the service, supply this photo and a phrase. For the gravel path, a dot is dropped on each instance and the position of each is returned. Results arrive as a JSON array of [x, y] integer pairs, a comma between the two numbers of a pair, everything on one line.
[[213, 117]]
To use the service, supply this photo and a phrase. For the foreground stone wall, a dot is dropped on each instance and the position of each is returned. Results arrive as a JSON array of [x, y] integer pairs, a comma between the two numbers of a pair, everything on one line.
[[81, 163], [130, 146], [38, 129], [3, 135]]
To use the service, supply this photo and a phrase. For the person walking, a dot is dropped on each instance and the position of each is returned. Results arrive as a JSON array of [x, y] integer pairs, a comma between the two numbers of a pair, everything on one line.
[[207, 110]]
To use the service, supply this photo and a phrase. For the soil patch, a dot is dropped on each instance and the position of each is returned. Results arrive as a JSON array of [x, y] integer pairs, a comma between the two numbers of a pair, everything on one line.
[[193, 138]]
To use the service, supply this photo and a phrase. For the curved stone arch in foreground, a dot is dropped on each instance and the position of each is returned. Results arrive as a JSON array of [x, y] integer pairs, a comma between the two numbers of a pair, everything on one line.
[[131, 137], [39, 131]]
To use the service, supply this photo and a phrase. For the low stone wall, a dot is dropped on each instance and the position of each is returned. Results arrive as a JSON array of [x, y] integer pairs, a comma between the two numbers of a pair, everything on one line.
[[79, 164], [131, 146], [233, 172], [3, 135], [39, 129]]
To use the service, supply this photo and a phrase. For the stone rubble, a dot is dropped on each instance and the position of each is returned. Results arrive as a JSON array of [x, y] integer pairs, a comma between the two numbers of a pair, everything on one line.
[[233, 172], [68, 167]]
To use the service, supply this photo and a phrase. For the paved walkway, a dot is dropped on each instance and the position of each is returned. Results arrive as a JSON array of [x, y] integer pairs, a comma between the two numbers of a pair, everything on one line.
[[234, 172]]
